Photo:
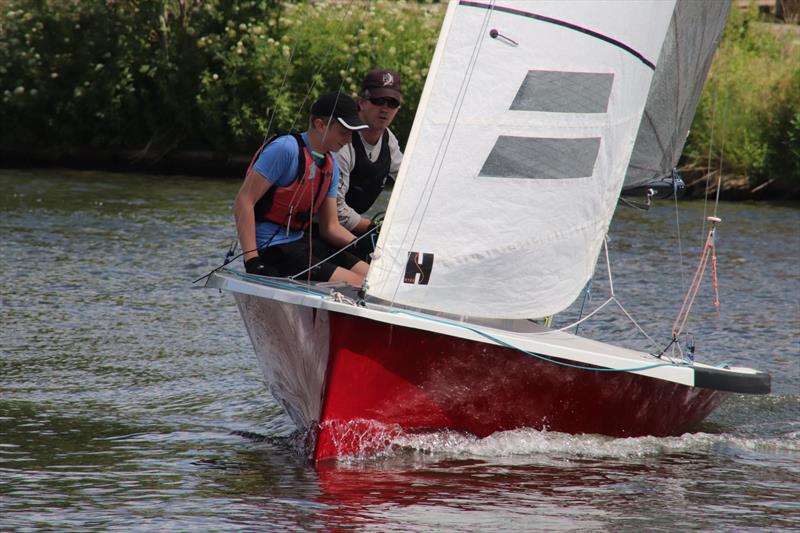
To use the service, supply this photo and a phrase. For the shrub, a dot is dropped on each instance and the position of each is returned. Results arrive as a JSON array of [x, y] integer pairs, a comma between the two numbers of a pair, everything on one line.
[[192, 73], [748, 113]]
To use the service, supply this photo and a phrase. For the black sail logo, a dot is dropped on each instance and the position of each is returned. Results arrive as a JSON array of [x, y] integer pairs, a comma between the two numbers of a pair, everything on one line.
[[418, 268]]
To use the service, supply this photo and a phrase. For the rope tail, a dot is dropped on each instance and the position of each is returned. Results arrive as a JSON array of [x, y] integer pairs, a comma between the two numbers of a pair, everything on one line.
[[709, 251]]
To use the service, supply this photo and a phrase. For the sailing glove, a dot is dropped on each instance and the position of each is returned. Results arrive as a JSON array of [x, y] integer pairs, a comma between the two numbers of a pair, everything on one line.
[[256, 265]]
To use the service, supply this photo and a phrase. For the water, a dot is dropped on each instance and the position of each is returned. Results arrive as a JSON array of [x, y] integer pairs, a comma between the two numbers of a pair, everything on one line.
[[126, 395]]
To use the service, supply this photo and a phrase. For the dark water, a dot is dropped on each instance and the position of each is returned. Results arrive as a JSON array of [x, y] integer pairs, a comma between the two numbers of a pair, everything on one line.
[[122, 389]]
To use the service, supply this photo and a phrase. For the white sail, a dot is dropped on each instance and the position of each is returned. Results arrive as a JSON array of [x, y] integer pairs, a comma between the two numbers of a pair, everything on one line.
[[518, 152], [692, 37]]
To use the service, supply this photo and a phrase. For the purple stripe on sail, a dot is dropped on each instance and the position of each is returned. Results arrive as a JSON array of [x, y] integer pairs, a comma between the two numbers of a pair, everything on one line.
[[564, 24]]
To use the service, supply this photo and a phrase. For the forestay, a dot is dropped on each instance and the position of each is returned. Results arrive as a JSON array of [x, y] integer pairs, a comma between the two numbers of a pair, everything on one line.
[[518, 152]]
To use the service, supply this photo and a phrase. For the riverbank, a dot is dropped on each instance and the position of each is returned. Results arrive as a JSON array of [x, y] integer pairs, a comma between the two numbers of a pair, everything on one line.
[[197, 82], [224, 165]]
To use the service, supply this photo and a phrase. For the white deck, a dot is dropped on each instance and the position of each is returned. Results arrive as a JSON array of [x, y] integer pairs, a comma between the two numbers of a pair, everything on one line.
[[543, 342]]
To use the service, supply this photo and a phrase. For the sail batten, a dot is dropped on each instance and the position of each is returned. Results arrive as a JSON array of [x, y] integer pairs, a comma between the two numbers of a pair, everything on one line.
[[517, 155]]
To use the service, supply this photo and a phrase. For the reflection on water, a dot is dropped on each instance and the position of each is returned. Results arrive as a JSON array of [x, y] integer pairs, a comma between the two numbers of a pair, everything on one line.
[[129, 400]]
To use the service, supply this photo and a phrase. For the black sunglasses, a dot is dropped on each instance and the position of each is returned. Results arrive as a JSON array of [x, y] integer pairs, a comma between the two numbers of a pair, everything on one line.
[[391, 103]]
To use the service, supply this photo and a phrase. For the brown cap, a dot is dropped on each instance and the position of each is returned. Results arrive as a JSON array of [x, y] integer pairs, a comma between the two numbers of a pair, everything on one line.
[[382, 83]]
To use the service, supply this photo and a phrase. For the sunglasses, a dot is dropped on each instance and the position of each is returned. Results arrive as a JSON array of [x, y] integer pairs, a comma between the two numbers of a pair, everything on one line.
[[391, 103]]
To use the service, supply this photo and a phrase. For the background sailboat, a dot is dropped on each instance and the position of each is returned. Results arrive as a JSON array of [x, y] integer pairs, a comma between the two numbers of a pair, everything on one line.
[[532, 116]]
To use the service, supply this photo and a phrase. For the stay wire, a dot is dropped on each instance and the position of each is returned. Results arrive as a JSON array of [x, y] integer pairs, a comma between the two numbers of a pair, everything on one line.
[[327, 126], [323, 62], [337, 252], [444, 143], [230, 257]]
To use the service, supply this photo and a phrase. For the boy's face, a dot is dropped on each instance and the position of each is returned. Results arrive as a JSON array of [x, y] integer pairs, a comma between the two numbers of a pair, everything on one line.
[[335, 137]]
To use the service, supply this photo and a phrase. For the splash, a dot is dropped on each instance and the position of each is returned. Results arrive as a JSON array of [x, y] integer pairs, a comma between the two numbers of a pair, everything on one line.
[[532, 442]]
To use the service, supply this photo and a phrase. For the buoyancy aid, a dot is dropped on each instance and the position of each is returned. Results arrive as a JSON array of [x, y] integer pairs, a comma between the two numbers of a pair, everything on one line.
[[295, 204], [368, 178]]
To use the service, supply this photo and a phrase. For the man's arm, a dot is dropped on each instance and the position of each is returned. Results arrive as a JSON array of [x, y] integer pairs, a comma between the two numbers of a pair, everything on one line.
[[329, 226], [254, 187], [395, 154]]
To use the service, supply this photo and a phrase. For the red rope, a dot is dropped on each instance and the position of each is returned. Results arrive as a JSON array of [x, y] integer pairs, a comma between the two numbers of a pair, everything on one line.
[[709, 250]]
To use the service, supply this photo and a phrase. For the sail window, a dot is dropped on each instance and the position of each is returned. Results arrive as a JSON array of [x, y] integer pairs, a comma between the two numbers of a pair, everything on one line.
[[541, 158], [564, 92]]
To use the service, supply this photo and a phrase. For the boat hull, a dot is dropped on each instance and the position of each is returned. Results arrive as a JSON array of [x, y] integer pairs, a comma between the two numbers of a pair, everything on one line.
[[353, 384], [385, 379]]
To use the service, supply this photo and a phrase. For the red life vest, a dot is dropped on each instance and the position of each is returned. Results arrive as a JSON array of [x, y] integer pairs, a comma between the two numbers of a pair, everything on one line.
[[295, 204]]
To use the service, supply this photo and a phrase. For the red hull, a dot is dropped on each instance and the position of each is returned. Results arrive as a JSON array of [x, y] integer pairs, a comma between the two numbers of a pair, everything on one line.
[[383, 379]]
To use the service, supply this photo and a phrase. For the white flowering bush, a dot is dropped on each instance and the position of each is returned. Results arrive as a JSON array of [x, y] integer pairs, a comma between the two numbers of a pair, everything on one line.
[[196, 74]]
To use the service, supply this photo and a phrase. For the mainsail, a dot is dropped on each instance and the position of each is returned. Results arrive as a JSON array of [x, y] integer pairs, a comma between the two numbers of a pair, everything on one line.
[[519, 149], [692, 37]]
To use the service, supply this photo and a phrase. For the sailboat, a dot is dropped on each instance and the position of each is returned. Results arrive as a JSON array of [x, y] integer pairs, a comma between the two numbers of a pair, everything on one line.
[[535, 116]]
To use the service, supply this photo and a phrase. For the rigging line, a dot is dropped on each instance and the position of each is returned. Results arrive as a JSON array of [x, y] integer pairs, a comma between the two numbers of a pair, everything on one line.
[[574, 324], [545, 358], [608, 266], [681, 262], [708, 168], [725, 72], [286, 284], [441, 150], [274, 112], [281, 283], [321, 64], [587, 292], [280, 91], [311, 204], [635, 205], [337, 252], [652, 342]]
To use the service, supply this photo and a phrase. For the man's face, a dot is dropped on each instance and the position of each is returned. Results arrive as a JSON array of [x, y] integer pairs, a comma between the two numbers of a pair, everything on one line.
[[378, 113], [335, 137]]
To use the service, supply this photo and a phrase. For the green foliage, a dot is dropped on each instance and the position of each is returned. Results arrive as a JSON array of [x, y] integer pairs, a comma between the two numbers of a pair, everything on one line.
[[211, 74], [192, 73], [748, 114]]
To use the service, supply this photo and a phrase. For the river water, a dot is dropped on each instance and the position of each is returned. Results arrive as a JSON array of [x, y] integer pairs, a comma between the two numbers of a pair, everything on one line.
[[131, 400]]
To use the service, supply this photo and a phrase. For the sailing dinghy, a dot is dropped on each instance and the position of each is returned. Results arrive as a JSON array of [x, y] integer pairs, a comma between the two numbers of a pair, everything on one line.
[[534, 116]]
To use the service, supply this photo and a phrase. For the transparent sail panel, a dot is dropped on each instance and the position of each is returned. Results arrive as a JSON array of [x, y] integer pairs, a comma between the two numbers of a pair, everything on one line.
[[564, 92], [536, 158]]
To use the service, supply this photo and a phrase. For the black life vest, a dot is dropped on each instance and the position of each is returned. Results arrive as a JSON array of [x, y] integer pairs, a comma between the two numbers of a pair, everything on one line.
[[367, 179], [295, 204]]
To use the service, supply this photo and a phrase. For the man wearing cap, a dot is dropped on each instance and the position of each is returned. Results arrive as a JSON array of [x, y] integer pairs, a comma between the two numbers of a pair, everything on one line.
[[374, 154], [291, 179]]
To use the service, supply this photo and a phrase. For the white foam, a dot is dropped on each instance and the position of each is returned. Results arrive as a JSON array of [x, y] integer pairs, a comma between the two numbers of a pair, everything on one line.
[[532, 442]]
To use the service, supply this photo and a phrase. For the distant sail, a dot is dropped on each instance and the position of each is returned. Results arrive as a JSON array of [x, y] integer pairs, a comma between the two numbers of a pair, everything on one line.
[[517, 156], [692, 37]]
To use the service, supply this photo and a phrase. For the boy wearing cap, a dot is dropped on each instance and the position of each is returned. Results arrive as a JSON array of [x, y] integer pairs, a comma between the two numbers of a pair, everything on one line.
[[374, 154], [291, 179]]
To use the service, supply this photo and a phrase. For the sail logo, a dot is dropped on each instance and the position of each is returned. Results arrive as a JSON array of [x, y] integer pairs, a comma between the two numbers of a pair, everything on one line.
[[418, 268]]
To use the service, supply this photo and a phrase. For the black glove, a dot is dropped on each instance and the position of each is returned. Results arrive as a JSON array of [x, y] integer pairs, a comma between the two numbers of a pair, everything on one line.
[[256, 265], [363, 248]]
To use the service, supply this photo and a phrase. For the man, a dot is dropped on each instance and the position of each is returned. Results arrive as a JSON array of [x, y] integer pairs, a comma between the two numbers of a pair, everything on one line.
[[293, 178], [374, 154]]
